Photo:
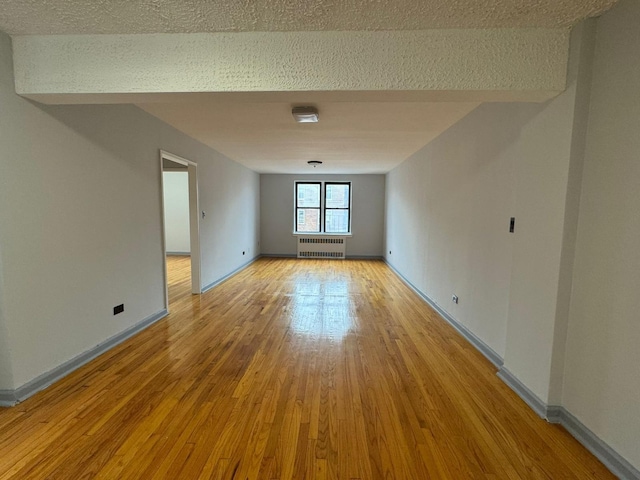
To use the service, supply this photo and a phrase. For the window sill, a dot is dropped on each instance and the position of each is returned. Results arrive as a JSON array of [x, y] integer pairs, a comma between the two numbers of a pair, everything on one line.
[[321, 234]]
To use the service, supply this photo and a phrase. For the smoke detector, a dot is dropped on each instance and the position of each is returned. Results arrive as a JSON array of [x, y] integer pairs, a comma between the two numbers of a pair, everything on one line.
[[305, 114]]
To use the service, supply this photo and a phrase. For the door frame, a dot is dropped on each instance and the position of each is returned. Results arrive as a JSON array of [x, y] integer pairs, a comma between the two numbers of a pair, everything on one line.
[[194, 223]]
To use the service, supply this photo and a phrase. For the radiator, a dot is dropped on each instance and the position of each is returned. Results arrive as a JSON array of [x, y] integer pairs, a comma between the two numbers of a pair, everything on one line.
[[321, 247]]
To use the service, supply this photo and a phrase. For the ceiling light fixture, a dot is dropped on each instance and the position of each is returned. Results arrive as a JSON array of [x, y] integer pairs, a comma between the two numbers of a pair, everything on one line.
[[314, 163], [305, 114]]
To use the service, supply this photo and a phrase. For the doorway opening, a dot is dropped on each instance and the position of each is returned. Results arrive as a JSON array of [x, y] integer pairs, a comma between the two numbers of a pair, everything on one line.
[[180, 226]]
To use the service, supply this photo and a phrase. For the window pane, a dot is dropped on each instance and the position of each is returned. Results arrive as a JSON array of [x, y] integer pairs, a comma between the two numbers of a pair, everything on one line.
[[308, 195], [337, 196], [337, 221], [308, 220]]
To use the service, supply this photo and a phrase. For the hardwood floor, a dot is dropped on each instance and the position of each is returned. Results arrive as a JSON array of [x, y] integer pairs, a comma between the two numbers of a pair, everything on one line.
[[290, 369]]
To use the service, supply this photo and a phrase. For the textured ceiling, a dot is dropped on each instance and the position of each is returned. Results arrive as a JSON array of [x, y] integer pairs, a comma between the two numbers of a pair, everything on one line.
[[351, 137], [30, 17]]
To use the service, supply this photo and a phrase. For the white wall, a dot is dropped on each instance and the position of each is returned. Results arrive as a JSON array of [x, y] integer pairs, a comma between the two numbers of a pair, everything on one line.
[[547, 162], [176, 212], [447, 218], [559, 298], [6, 371], [81, 223], [277, 205], [602, 383], [230, 233], [580, 69]]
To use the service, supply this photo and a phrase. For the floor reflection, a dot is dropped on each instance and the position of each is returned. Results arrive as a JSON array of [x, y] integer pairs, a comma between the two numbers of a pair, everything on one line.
[[322, 308]]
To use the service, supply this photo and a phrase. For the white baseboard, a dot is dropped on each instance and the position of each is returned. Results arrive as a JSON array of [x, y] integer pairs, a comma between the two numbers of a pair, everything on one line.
[[530, 398], [552, 413], [229, 275], [616, 464], [9, 398], [482, 347], [560, 415]]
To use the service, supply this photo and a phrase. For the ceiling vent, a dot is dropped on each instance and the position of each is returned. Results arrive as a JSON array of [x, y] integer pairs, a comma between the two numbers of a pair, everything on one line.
[[305, 114]]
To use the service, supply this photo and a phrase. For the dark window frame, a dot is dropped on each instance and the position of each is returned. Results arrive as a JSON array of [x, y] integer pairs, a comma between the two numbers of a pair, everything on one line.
[[322, 209], [319, 207], [348, 208]]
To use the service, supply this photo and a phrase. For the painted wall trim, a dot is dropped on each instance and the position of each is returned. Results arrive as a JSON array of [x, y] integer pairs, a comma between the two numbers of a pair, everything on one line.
[[7, 398], [11, 397], [620, 467], [560, 415], [524, 393], [279, 255], [229, 275], [552, 413], [181, 254], [482, 347], [364, 257]]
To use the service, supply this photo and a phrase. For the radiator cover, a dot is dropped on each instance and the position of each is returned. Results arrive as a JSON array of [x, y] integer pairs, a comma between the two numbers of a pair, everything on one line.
[[322, 246]]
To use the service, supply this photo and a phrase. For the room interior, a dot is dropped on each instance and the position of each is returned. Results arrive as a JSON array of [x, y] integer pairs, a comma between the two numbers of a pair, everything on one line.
[[449, 119]]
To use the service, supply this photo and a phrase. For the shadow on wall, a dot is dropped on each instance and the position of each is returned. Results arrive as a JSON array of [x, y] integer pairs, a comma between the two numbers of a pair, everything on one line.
[[103, 125], [507, 122]]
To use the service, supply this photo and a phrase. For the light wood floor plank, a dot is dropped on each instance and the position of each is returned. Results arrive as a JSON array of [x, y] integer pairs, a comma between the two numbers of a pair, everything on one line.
[[290, 369]]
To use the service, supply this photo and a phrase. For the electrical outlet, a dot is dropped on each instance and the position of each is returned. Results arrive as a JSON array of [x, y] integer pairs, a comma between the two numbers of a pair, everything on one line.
[[243, 253], [118, 309], [389, 252], [454, 299]]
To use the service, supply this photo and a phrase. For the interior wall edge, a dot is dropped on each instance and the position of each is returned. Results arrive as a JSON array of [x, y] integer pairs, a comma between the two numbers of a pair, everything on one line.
[[615, 462], [558, 414]]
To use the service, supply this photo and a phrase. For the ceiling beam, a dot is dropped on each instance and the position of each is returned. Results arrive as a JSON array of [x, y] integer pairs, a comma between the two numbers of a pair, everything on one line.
[[462, 64]]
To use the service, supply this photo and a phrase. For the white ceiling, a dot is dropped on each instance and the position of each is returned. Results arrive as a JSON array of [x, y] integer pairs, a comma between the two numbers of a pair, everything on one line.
[[354, 135], [351, 137], [44, 17]]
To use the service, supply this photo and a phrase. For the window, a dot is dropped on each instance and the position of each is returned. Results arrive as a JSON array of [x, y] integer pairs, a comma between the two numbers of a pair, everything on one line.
[[336, 207], [308, 207], [323, 207]]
